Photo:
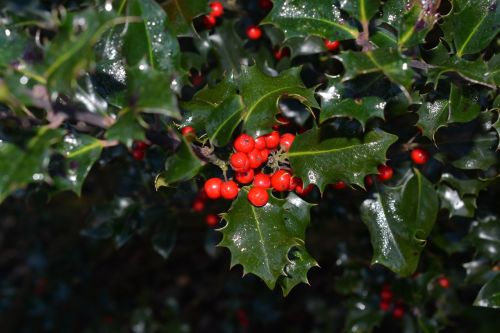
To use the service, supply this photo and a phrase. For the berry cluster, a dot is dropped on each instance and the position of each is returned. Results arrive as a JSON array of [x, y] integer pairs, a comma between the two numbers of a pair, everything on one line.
[[386, 303], [139, 150], [216, 10]]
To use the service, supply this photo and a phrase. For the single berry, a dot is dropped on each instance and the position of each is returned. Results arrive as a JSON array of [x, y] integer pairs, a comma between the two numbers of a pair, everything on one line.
[[245, 177], [258, 196], [254, 32], [419, 156], [196, 79], [244, 143], [386, 295], [138, 154], [280, 181], [368, 181], [255, 158], [187, 130], [211, 220], [141, 145], [262, 180], [264, 153], [385, 172], [340, 185], [209, 21], [398, 312], [332, 45], [294, 182], [286, 141], [240, 162], [216, 9], [272, 140], [265, 4], [229, 190], [384, 306], [300, 190], [198, 205], [212, 188], [444, 282], [281, 53], [260, 143]]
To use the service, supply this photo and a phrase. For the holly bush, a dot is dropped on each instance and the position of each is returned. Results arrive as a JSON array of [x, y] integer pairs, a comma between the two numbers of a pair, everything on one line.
[[125, 125]]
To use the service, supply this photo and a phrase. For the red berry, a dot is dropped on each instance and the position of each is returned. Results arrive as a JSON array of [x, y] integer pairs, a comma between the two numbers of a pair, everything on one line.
[[239, 161], [294, 182], [282, 120], [272, 140], [138, 154], [280, 181], [196, 79], [300, 190], [444, 282], [419, 156], [398, 312], [141, 145], [198, 205], [209, 21], [280, 53], [262, 180], [255, 158], [254, 32], [332, 45], [286, 141], [187, 130], [264, 153], [244, 143], [265, 4], [260, 143], [229, 190], [340, 185], [385, 172], [368, 181], [258, 196], [384, 306], [212, 188], [386, 295], [216, 9], [245, 177], [211, 220]]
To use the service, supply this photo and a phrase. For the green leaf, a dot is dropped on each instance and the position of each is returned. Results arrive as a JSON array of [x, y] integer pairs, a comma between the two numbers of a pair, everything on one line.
[[126, 129], [181, 166], [361, 109], [489, 295], [362, 317], [181, 14], [482, 154], [432, 116], [12, 45], [466, 186], [19, 167], [456, 204], [260, 240], [496, 127], [298, 18], [474, 71], [296, 271], [474, 26], [261, 93], [223, 120], [387, 61], [150, 38], [484, 235], [494, 69], [362, 10], [328, 161], [399, 220], [464, 104], [80, 152]]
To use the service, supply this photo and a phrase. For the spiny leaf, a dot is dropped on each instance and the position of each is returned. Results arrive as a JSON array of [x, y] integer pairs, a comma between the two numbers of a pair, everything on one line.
[[399, 220], [347, 159], [484, 235], [489, 295], [466, 186], [126, 129], [181, 14], [296, 270], [223, 120], [362, 10], [455, 204], [432, 116], [474, 71], [298, 18]]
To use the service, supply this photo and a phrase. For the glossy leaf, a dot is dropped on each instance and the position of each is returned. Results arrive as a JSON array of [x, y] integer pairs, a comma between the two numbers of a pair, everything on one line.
[[126, 129], [296, 270], [258, 237], [399, 220], [484, 235], [362, 10], [21, 166], [298, 18], [260, 94], [489, 295], [223, 120], [474, 71], [466, 186], [80, 153], [12, 45], [482, 154], [323, 162], [181, 13], [432, 116], [455, 204], [181, 166]]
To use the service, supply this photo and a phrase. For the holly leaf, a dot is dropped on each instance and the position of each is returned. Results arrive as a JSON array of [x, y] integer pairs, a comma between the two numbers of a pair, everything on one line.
[[223, 120], [474, 71], [126, 129], [362, 317], [489, 295], [181, 166], [181, 14], [482, 154], [13, 46], [473, 26], [455, 204], [466, 186], [298, 18], [484, 235], [323, 162], [399, 220], [261, 93], [80, 152], [362, 10], [21, 166], [258, 237], [296, 270], [387, 61], [432, 116]]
